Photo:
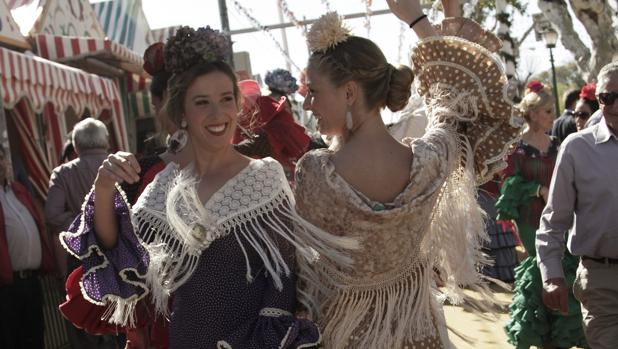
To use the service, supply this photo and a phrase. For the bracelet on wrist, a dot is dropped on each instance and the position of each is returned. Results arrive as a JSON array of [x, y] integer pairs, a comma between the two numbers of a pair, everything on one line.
[[414, 22]]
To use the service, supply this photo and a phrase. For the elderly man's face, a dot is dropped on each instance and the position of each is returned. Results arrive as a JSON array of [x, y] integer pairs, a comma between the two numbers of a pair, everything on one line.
[[609, 110]]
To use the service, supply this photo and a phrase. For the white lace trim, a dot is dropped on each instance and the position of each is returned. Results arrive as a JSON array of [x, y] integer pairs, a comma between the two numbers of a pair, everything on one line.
[[223, 345], [274, 312], [258, 203]]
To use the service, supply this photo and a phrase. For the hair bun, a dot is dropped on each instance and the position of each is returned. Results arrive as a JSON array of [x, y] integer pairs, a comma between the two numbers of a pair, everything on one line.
[[154, 62], [400, 87]]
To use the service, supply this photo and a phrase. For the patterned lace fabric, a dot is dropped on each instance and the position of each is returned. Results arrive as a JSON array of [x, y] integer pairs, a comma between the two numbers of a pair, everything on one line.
[[462, 81], [391, 240], [324, 198]]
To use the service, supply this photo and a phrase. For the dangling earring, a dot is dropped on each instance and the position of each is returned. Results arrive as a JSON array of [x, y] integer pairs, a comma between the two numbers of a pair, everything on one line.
[[349, 123], [179, 139]]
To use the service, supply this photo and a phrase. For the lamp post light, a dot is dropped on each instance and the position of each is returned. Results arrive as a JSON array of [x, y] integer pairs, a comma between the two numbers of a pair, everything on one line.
[[551, 38]]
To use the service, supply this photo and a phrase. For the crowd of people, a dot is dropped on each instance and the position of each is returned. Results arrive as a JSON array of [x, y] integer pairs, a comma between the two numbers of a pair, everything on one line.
[[238, 229]]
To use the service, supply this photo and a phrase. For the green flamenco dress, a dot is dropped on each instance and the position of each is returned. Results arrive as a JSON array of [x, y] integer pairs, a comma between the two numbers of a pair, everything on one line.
[[530, 322]]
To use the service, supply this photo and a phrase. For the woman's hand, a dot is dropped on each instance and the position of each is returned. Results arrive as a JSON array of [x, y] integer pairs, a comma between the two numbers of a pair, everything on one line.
[[410, 12], [544, 191], [117, 168], [452, 8], [406, 10]]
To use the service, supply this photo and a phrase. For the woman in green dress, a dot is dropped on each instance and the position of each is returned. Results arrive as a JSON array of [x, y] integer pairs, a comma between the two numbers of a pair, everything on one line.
[[523, 196]]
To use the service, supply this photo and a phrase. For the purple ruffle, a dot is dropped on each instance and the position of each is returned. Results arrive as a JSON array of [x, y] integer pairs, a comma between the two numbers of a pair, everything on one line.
[[108, 271]]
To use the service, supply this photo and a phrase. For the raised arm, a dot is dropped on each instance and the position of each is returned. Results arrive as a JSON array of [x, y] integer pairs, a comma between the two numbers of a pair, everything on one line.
[[117, 168], [411, 13]]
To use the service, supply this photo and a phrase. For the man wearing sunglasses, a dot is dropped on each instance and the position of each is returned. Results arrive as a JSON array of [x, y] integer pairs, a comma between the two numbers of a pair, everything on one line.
[[585, 186]]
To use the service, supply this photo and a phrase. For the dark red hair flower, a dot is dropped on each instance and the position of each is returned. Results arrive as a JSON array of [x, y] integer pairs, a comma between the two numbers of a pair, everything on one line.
[[588, 92], [535, 86], [153, 59]]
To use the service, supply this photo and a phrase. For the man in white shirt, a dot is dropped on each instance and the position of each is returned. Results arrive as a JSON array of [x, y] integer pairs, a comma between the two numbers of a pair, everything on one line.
[[584, 195], [24, 255]]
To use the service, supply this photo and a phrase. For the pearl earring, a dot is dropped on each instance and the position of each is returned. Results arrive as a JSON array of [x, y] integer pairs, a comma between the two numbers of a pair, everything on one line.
[[349, 123]]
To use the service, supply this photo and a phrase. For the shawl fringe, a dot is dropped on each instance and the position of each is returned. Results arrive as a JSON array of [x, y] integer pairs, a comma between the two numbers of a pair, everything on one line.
[[388, 313], [176, 239], [457, 218]]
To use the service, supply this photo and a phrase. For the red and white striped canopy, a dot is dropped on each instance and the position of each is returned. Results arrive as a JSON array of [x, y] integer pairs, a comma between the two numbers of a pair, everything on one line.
[[67, 48], [13, 4], [42, 81]]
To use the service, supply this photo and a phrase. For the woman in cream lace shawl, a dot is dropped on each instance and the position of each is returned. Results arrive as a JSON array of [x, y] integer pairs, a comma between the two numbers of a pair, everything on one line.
[[411, 204]]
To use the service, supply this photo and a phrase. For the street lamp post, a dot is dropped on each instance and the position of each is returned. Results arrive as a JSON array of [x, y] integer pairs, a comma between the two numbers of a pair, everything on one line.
[[551, 38]]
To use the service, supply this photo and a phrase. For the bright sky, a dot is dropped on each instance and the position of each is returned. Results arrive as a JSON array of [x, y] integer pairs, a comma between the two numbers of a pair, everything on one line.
[[264, 55], [385, 29]]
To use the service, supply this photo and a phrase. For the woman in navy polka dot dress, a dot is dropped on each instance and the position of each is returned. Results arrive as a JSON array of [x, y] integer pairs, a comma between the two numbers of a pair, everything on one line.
[[221, 235]]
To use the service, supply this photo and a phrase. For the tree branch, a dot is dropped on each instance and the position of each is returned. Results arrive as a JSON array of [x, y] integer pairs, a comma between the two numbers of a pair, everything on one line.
[[525, 35]]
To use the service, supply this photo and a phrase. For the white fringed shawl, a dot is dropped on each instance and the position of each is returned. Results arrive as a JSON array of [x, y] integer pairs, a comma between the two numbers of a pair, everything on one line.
[[175, 227]]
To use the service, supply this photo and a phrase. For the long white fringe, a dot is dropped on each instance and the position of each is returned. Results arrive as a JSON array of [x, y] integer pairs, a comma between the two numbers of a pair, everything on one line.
[[176, 239], [382, 315]]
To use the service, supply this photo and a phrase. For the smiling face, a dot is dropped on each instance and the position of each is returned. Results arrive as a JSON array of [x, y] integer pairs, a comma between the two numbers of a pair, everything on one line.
[[211, 111], [327, 102]]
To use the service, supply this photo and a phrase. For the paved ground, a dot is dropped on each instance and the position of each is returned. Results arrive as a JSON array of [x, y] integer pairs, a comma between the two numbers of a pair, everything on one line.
[[486, 333], [483, 333]]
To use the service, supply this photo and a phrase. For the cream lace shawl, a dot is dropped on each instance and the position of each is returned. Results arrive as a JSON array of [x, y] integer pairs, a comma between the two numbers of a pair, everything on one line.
[[176, 228]]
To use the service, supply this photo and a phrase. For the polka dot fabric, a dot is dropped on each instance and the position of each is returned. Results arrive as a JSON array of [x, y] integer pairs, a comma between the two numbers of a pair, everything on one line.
[[463, 63], [218, 308]]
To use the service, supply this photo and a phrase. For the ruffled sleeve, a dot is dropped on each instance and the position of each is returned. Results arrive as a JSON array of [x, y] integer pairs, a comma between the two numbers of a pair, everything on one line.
[[515, 192], [463, 84], [111, 277]]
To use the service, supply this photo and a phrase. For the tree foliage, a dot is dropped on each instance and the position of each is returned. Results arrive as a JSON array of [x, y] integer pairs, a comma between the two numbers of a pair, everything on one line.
[[486, 8], [567, 77]]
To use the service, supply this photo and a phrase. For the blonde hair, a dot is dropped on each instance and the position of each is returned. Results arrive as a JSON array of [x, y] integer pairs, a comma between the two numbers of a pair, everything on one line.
[[361, 60], [533, 100]]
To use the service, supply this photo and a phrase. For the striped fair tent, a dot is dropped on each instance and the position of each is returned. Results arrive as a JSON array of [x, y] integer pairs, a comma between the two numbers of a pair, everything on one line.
[[162, 34], [13, 4], [10, 34], [124, 22], [140, 104], [42, 82], [68, 48]]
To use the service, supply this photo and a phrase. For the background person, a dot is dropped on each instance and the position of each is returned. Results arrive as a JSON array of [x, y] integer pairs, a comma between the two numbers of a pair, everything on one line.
[[583, 201]]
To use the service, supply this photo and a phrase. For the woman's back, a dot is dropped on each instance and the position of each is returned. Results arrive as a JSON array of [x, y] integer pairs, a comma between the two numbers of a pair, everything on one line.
[[379, 170]]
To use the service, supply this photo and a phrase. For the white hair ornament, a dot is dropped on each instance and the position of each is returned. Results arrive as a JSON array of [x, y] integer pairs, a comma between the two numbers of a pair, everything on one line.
[[327, 32]]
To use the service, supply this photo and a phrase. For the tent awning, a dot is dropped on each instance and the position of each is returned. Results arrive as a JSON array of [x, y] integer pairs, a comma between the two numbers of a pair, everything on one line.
[[67, 48], [42, 81]]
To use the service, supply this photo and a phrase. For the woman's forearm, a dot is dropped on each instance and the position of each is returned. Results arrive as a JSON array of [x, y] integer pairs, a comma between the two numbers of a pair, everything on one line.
[[105, 221]]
